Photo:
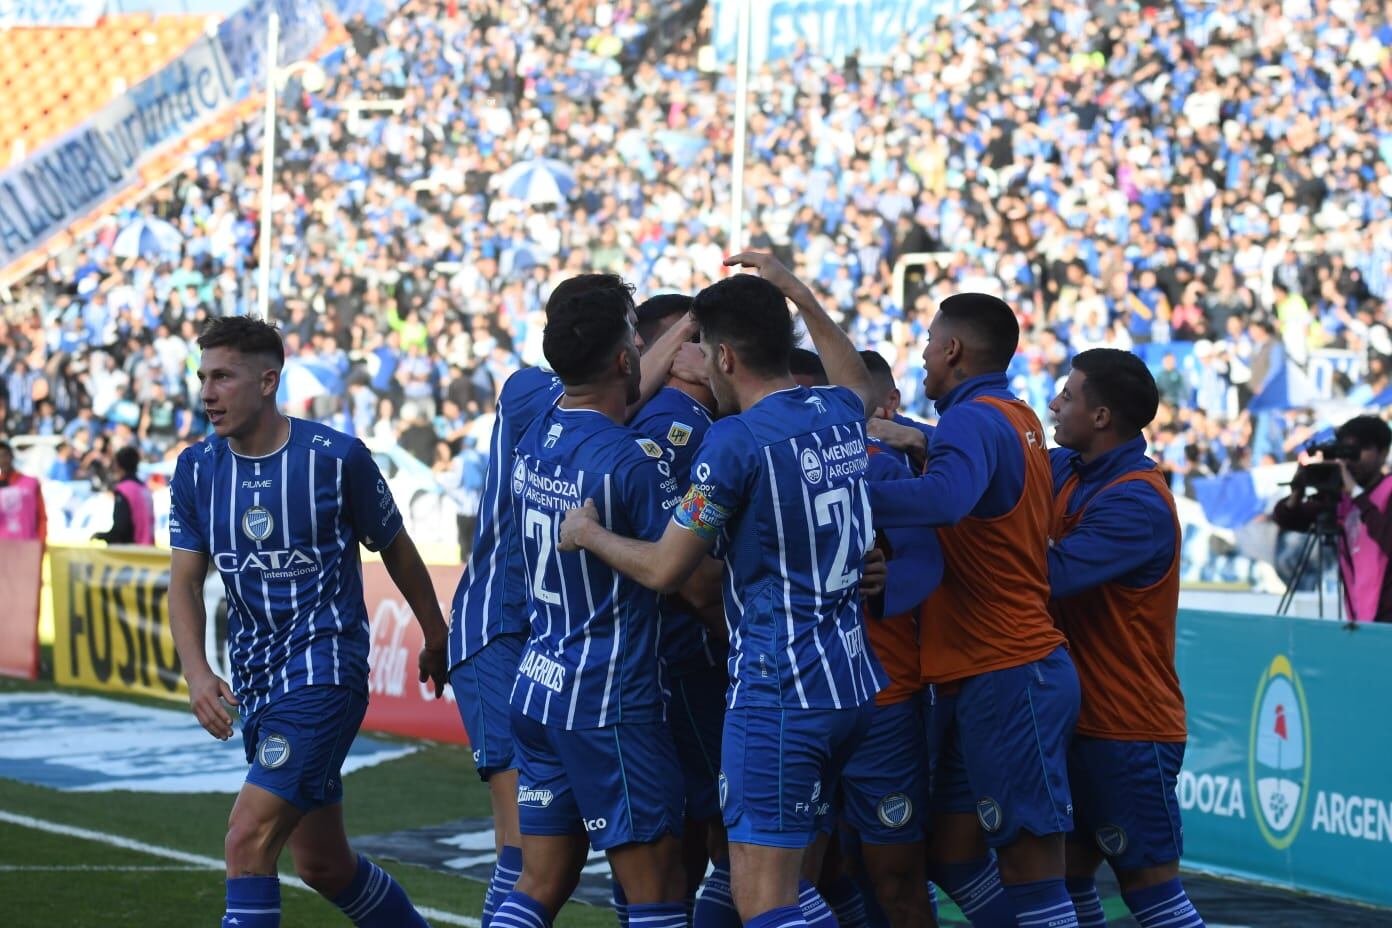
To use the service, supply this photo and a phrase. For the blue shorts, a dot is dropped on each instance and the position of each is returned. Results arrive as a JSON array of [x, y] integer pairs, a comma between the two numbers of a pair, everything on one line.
[[297, 744], [1126, 799], [696, 715], [999, 748], [620, 784], [884, 788], [483, 692], [780, 769]]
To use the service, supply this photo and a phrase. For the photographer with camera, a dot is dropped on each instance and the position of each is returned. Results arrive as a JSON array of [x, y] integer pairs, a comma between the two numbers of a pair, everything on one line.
[[1348, 502]]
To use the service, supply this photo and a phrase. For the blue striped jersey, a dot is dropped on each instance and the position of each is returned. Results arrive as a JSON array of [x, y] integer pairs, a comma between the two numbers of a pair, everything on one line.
[[783, 485], [491, 597], [283, 531], [591, 659], [678, 424]]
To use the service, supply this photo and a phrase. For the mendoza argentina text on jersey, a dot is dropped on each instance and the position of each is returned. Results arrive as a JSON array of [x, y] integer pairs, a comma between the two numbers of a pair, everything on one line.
[[591, 660], [283, 531], [782, 485]]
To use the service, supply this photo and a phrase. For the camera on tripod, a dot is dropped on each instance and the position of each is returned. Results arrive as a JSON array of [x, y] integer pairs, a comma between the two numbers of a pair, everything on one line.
[[1322, 478]]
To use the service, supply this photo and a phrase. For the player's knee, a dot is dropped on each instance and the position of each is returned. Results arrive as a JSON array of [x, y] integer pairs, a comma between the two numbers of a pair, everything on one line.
[[549, 886], [250, 846], [328, 875]]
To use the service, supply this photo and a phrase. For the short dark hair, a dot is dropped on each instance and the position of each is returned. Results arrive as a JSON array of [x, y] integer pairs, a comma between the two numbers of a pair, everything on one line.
[[751, 316], [1120, 381], [1366, 432], [585, 283], [804, 363], [990, 319], [128, 459], [881, 374], [583, 333], [245, 334], [656, 310]]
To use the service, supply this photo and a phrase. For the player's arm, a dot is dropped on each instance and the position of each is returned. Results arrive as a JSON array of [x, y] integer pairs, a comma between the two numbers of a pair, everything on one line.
[[657, 360], [1123, 530], [913, 442], [956, 477], [914, 571], [663, 565], [188, 622], [703, 598], [844, 365], [412, 578]]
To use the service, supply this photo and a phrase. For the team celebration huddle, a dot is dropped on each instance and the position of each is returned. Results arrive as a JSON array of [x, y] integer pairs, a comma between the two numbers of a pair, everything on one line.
[[784, 655]]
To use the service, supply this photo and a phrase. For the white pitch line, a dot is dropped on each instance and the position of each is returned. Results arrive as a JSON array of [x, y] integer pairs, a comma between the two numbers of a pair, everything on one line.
[[197, 861], [95, 868]]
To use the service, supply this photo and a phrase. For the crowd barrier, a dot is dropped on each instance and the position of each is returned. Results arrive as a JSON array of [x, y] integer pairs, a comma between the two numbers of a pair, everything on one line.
[[21, 578], [1285, 779], [111, 632]]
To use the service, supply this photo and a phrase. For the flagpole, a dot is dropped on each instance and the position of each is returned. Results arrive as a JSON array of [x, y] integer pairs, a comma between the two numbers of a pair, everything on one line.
[[268, 132], [736, 242]]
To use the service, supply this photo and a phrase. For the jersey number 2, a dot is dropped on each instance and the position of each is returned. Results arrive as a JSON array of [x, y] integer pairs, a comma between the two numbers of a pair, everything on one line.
[[834, 508], [540, 526]]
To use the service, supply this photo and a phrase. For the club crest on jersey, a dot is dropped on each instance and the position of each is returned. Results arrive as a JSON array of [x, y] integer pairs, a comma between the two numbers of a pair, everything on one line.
[[651, 448], [273, 752], [1112, 840], [895, 810], [257, 523], [989, 813], [519, 477], [811, 466], [679, 434]]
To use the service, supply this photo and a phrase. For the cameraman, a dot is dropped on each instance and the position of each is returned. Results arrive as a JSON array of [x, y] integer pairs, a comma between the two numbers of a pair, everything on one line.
[[1360, 505]]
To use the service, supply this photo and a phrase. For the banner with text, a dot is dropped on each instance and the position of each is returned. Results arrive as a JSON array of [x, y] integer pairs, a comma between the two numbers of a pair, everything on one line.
[[111, 632], [1285, 777], [832, 29], [21, 579], [67, 13], [75, 173]]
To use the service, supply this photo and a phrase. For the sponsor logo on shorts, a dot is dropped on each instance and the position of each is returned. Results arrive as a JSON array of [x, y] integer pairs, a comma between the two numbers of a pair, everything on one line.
[[538, 798], [724, 788], [1112, 840], [895, 810], [273, 752], [596, 824], [989, 813]]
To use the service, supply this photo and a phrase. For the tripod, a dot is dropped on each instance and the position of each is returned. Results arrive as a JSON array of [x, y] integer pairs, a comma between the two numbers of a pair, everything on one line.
[[1324, 535]]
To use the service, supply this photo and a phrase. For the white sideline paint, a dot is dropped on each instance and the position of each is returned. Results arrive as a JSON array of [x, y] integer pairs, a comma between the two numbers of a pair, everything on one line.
[[195, 861]]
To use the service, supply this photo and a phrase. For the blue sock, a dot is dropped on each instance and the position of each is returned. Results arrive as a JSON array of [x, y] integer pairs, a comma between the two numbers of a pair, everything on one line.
[[620, 904], [845, 899], [933, 898], [655, 915], [715, 907], [814, 908], [976, 888], [375, 900], [253, 902], [790, 916], [505, 874], [519, 910], [1083, 892], [1042, 903], [1166, 904]]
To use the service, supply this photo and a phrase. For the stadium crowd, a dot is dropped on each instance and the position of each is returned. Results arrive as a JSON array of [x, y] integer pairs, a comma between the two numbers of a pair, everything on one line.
[[1215, 177]]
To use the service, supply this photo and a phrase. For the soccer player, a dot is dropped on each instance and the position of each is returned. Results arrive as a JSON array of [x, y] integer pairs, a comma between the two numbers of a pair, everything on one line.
[[677, 419], [779, 483], [488, 618], [280, 506], [1114, 571], [594, 754], [1005, 695]]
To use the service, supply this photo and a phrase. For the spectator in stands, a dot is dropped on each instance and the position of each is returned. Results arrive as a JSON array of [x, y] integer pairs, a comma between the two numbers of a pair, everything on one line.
[[133, 513], [22, 514]]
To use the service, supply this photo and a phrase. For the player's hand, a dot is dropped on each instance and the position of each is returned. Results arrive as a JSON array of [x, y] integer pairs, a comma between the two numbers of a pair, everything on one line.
[[576, 523], [772, 270], [434, 668], [690, 364], [208, 693], [873, 573]]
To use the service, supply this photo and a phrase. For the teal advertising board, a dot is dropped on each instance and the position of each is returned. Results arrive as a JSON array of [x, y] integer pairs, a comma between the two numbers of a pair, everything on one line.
[[1288, 774]]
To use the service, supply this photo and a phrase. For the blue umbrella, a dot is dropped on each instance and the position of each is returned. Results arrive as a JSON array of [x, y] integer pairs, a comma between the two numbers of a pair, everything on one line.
[[148, 237], [540, 180]]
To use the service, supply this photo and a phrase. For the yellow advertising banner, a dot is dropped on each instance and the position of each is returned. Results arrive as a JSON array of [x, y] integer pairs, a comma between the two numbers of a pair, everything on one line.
[[111, 621]]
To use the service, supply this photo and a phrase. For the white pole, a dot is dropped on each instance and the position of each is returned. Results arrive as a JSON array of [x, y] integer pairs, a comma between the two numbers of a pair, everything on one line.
[[268, 132], [736, 243]]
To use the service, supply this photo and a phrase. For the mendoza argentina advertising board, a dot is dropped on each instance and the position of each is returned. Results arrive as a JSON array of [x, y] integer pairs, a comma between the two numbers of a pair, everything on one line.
[[1286, 777]]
